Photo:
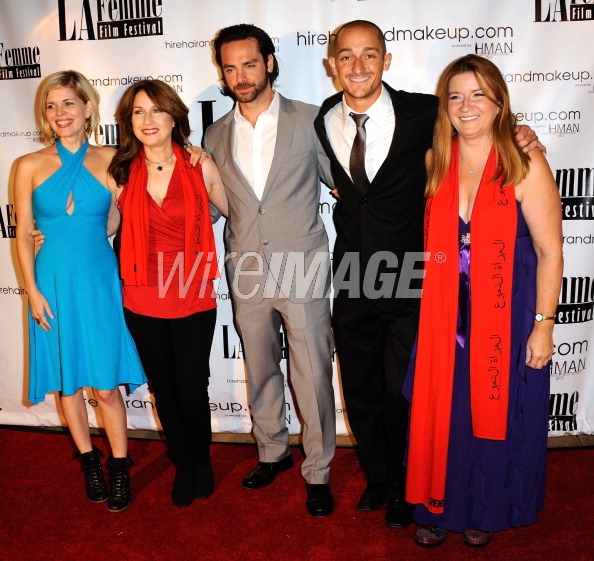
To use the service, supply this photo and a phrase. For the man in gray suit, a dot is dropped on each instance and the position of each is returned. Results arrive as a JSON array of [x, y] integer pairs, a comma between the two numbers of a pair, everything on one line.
[[277, 258]]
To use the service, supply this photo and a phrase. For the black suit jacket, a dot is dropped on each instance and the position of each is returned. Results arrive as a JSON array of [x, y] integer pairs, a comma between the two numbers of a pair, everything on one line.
[[389, 217]]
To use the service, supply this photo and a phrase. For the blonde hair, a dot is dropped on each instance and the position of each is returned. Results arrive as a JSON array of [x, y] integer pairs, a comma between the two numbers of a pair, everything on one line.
[[514, 163], [83, 90]]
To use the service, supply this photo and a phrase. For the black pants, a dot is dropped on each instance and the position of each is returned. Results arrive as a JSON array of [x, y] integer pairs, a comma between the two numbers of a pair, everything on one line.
[[374, 348], [175, 355]]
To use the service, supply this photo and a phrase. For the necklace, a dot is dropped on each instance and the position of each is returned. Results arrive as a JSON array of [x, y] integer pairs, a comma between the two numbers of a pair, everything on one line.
[[159, 164], [471, 170]]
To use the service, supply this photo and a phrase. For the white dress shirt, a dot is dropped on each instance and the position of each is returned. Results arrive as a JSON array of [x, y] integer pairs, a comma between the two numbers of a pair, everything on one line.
[[380, 127], [253, 147]]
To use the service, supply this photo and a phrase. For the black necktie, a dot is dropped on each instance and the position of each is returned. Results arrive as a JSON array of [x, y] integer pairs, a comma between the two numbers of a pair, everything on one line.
[[357, 159]]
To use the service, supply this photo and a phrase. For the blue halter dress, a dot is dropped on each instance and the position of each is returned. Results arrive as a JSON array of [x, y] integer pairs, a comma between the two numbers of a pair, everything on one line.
[[77, 272]]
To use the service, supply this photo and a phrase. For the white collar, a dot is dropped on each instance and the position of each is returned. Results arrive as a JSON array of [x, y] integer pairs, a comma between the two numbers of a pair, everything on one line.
[[273, 108], [377, 112]]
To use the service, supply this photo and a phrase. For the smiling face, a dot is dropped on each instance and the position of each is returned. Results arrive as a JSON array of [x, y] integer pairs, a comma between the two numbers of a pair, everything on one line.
[[245, 71], [470, 111], [66, 113], [359, 63], [150, 125]]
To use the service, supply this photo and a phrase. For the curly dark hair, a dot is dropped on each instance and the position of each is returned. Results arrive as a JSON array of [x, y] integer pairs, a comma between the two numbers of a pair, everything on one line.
[[242, 32]]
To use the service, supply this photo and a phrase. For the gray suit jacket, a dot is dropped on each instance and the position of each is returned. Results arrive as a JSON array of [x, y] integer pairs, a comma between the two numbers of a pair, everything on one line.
[[271, 242]]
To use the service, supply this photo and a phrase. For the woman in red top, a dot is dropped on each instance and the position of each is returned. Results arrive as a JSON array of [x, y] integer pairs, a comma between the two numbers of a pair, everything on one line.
[[167, 263]]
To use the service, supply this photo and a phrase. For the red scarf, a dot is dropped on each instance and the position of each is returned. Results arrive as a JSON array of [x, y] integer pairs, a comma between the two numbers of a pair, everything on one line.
[[493, 232], [199, 237]]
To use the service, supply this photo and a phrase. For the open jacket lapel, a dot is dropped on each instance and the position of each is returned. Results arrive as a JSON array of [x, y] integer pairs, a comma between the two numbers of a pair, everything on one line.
[[320, 126], [284, 135], [404, 128]]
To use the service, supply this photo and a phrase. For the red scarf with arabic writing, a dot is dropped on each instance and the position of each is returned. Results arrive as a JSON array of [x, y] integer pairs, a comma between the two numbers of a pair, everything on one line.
[[493, 232]]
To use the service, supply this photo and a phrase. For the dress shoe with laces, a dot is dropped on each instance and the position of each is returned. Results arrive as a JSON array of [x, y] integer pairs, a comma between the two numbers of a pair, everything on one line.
[[265, 472], [374, 497], [319, 499], [430, 536], [398, 514], [477, 538]]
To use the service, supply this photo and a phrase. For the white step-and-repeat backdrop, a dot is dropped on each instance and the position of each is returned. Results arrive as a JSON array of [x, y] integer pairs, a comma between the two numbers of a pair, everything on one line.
[[543, 48]]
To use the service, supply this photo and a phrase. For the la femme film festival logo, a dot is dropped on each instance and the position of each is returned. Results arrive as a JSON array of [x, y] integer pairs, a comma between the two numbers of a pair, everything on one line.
[[563, 10], [103, 19]]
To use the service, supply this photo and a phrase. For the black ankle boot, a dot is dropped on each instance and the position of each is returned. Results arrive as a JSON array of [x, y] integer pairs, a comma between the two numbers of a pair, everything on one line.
[[95, 484], [203, 480], [119, 484], [182, 493]]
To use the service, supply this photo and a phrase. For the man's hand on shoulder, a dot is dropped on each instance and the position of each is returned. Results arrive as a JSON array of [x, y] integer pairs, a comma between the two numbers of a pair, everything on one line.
[[197, 154], [528, 140]]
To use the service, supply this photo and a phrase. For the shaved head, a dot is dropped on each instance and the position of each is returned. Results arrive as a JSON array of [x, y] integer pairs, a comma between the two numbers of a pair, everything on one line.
[[361, 23]]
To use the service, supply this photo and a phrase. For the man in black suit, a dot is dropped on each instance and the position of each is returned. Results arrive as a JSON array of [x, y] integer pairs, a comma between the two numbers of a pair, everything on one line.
[[374, 331], [379, 234]]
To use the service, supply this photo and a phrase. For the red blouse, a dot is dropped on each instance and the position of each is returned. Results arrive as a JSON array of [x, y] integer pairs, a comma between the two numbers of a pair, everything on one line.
[[166, 295]]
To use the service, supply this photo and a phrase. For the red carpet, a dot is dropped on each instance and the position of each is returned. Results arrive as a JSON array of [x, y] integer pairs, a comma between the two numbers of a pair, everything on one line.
[[44, 514]]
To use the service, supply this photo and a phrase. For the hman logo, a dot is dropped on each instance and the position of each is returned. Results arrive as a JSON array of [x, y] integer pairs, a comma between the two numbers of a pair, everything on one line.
[[7, 221], [569, 359], [559, 123], [489, 50], [577, 300], [563, 10], [19, 62], [110, 19], [576, 187]]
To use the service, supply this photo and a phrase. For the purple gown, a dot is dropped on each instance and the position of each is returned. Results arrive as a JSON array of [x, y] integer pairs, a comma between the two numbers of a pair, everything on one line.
[[493, 485]]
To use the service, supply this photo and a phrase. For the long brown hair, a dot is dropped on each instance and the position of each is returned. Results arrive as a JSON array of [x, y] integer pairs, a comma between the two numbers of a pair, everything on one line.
[[167, 100], [514, 163]]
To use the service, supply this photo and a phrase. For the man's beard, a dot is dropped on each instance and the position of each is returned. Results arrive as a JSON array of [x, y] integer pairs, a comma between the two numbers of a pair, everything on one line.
[[250, 96]]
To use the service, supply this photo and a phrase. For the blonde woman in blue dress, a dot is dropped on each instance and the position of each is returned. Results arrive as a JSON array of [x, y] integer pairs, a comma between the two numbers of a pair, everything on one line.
[[77, 334]]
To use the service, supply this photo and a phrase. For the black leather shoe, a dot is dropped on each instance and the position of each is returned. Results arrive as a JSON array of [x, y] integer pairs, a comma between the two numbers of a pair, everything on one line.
[[265, 472], [399, 513], [182, 493], [374, 497], [319, 499]]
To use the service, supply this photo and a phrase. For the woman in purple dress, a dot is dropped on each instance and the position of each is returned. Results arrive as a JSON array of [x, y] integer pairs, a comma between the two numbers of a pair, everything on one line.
[[478, 433]]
